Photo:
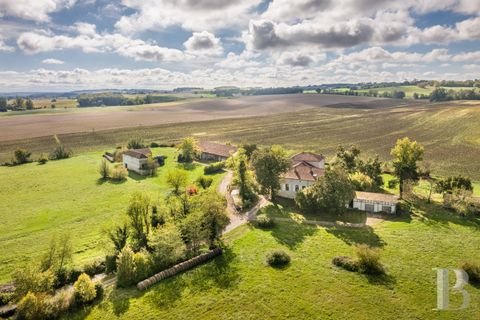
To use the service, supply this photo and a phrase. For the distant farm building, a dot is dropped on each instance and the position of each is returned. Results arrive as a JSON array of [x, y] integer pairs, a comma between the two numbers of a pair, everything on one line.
[[305, 169], [210, 151], [375, 202], [140, 161]]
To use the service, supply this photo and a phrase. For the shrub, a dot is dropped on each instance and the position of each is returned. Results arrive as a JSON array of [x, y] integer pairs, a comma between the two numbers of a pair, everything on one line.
[[99, 290], [95, 267], [60, 152], [265, 222], [31, 279], [278, 258], [368, 260], [392, 184], [110, 263], [154, 145], [42, 159], [204, 182], [118, 155], [125, 267], [104, 169], [167, 245], [473, 271], [60, 303], [6, 298], [119, 173], [136, 143], [143, 265], [21, 156], [214, 168], [84, 289], [192, 190], [31, 306], [346, 263]]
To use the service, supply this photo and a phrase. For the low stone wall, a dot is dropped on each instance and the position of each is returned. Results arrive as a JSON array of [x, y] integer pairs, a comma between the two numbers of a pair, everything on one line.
[[178, 268]]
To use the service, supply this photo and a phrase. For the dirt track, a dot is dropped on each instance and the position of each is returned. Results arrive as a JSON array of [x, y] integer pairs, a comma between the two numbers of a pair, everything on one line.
[[30, 126]]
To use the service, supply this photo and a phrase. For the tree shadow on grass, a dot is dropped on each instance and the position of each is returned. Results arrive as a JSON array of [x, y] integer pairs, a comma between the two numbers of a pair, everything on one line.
[[189, 166], [135, 176], [292, 234], [217, 273], [354, 236], [385, 279], [433, 214]]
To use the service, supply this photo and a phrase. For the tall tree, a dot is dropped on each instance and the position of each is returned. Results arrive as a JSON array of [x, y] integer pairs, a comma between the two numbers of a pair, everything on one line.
[[215, 218], [406, 154], [19, 103], [139, 214], [29, 104], [188, 149], [331, 193], [3, 104], [348, 159], [119, 236], [177, 180], [269, 164], [373, 169]]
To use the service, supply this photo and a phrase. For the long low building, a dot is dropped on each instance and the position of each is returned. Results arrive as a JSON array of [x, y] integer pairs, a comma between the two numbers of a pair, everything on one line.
[[375, 202]]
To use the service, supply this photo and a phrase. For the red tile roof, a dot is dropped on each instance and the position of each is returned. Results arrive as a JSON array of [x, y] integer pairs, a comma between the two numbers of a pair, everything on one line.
[[307, 156], [304, 171], [216, 148], [138, 153]]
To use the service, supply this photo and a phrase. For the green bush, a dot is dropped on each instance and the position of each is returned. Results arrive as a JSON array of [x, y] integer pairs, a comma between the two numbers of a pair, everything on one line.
[[154, 145], [42, 159], [99, 290], [60, 152], [392, 184], [143, 266], [59, 304], [32, 279], [368, 260], [84, 289], [346, 263], [118, 173], [110, 263], [32, 306], [473, 271], [214, 168], [95, 267], [278, 258], [204, 182], [21, 156], [6, 298], [126, 267], [265, 222]]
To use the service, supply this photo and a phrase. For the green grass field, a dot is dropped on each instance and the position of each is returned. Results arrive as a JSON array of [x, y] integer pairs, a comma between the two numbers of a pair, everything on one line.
[[37, 201], [239, 285]]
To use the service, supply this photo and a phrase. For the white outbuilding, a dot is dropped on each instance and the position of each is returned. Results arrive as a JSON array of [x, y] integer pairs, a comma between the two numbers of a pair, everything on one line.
[[375, 202]]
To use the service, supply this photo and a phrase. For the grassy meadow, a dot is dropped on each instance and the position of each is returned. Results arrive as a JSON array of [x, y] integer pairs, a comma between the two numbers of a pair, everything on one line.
[[37, 201], [239, 284]]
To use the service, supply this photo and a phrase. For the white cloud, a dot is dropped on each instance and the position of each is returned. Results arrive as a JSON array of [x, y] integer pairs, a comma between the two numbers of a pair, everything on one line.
[[36, 10], [52, 61], [204, 43], [36, 42], [196, 15], [4, 47], [246, 59]]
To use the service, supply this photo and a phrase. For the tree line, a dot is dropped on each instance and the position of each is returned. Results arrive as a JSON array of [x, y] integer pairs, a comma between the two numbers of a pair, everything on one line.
[[104, 99]]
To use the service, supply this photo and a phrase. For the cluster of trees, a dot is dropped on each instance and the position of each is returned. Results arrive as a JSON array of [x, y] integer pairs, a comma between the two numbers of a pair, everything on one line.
[[112, 99], [158, 235], [18, 104], [37, 284], [442, 94], [395, 94], [457, 194]]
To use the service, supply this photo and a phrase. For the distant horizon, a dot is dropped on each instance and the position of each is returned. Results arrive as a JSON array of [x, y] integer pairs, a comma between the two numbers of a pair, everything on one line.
[[68, 45]]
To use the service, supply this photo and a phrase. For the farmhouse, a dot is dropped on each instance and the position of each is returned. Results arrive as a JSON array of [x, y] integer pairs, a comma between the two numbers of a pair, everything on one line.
[[137, 160], [215, 151], [375, 202], [305, 169]]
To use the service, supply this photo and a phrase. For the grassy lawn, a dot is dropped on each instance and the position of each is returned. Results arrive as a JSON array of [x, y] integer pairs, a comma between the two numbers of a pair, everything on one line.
[[238, 285], [37, 201]]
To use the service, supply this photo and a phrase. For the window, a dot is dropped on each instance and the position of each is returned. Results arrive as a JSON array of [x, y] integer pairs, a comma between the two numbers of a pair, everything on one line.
[[297, 188], [369, 207], [287, 187], [387, 209]]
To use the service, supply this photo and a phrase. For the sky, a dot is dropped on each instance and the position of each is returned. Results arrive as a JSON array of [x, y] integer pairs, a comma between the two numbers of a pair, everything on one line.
[[62, 45]]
